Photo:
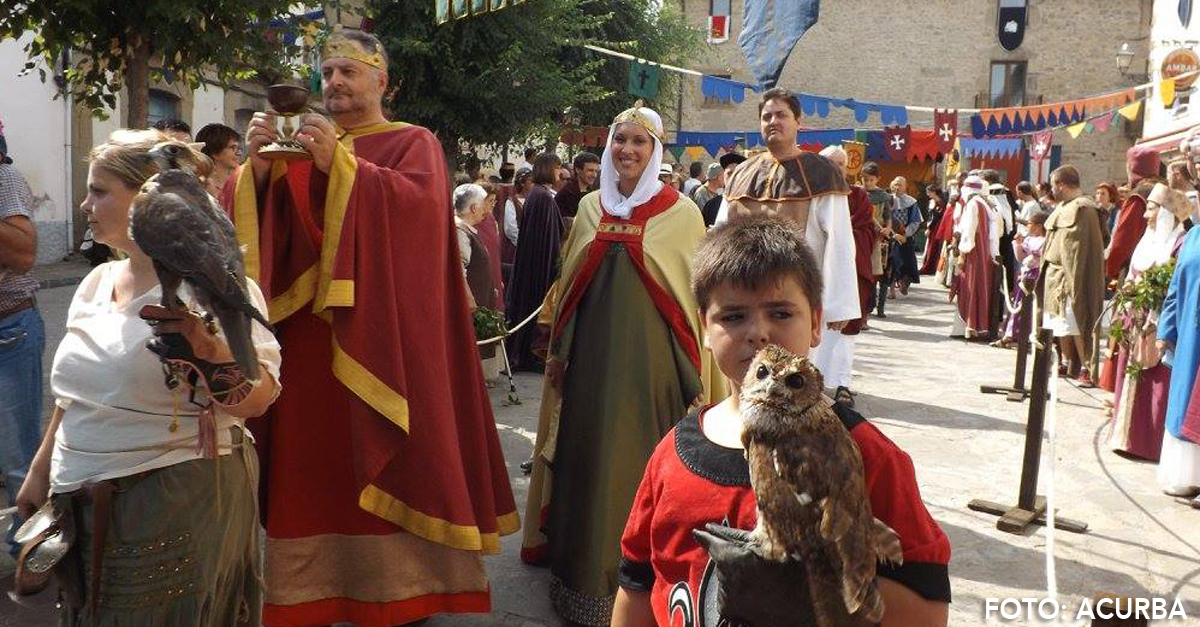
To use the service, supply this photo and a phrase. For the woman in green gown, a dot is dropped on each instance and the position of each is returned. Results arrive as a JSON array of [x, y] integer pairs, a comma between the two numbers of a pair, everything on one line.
[[625, 363]]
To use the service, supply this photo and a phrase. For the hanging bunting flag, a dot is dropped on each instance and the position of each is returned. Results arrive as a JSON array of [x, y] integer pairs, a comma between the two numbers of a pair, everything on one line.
[[989, 148], [770, 30], [897, 142], [1166, 90], [1101, 123], [1039, 145], [945, 128], [643, 79], [677, 152], [696, 153], [1131, 111], [724, 89], [855, 156], [1076, 129]]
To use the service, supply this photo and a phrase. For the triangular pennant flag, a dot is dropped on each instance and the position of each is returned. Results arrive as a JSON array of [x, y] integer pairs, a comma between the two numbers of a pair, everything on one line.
[[1166, 90], [1089, 127], [643, 79], [1076, 129], [1101, 123], [695, 153], [677, 152], [1131, 110]]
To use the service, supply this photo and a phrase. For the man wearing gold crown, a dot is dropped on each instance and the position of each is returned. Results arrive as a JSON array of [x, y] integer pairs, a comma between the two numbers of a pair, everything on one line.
[[624, 363], [383, 480]]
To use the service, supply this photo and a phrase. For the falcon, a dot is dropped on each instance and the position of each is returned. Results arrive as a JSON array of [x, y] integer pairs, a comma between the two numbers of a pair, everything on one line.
[[807, 476], [191, 240]]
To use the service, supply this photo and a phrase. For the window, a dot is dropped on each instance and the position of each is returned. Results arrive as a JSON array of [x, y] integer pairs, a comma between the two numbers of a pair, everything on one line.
[[163, 106], [1007, 84], [719, 12]]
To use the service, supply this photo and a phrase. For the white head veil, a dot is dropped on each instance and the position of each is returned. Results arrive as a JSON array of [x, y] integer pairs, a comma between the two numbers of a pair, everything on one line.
[[1157, 243], [648, 186]]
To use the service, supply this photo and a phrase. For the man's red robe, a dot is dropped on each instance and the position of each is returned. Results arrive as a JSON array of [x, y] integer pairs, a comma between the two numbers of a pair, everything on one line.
[[865, 235], [1130, 227], [383, 479]]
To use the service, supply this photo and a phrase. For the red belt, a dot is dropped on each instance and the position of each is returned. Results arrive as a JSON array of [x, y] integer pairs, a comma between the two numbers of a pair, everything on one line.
[[19, 307]]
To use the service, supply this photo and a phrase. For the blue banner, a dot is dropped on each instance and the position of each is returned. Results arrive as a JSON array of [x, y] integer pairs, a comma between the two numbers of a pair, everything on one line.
[[770, 30]]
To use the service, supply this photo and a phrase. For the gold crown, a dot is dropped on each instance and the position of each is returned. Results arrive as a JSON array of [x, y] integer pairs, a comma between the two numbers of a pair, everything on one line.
[[341, 47], [636, 116]]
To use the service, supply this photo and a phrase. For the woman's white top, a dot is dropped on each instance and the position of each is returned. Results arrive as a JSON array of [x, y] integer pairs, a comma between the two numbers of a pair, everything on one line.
[[117, 410]]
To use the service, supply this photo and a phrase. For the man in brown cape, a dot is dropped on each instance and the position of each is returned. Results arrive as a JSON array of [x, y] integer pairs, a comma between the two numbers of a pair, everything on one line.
[[1074, 271]]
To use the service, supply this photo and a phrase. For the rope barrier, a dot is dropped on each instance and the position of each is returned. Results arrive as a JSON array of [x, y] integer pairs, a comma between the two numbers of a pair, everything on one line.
[[493, 340]]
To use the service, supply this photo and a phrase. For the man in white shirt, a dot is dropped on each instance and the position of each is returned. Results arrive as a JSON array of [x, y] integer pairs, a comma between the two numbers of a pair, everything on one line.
[[807, 188]]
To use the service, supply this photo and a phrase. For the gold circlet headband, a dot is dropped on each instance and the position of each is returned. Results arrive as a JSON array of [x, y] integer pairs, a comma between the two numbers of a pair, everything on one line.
[[636, 116], [341, 47]]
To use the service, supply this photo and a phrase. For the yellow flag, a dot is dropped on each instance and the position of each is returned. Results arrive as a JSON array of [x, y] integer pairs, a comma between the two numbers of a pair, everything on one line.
[[695, 153], [856, 153], [1076, 129], [1131, 110], [953, 163], [1166, 89]]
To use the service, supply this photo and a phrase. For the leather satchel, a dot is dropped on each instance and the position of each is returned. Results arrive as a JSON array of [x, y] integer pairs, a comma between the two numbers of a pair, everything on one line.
[[45, 539]]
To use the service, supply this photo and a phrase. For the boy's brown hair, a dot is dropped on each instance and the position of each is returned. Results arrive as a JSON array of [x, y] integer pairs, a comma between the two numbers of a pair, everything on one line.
[[747, 251]]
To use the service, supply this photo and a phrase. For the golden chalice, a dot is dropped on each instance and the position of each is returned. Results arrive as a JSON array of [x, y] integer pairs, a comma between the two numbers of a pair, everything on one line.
[[287, 101]]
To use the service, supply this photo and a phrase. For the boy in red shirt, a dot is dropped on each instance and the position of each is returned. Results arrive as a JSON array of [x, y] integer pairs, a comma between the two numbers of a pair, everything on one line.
[[757, 283]]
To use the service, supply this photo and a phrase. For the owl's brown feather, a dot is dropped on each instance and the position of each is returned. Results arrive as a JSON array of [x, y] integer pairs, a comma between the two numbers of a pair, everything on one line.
[[807, 475]]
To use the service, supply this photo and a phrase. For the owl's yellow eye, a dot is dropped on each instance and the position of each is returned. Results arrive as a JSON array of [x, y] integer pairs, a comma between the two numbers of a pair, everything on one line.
[[794, 381], [763, 373]]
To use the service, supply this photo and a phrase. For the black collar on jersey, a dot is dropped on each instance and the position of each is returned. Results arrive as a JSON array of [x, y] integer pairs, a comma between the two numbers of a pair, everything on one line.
[[727, 466]]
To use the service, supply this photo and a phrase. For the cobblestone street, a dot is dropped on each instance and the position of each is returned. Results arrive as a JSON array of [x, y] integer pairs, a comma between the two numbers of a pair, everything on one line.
[[922, 389]]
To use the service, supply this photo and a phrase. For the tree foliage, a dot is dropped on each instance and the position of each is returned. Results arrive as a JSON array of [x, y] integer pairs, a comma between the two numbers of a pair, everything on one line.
[[521, 72], [116, 43]]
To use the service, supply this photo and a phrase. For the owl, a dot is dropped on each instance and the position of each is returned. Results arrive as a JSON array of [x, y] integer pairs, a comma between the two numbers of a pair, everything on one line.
[[807, 476], [190, 240]]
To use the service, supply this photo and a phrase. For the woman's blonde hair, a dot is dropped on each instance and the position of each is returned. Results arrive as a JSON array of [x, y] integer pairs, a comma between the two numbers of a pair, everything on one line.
[[126, 155]]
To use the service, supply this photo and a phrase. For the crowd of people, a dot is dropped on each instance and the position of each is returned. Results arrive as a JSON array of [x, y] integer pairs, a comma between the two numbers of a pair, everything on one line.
[[366, 451], [1112, 275]]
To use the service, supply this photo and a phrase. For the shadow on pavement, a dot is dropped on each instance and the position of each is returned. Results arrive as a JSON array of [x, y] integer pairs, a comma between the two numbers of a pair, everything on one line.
[[932, 415]]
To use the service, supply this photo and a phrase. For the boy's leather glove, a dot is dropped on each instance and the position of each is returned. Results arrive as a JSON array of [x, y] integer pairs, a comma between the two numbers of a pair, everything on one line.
[[754, 591]]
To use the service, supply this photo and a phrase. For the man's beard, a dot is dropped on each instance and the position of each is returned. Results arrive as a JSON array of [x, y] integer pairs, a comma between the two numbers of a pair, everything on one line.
[[346, 104]]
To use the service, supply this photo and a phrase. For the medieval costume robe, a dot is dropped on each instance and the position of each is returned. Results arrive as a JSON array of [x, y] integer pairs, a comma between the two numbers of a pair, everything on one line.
[[1140, 403], [835, 358], [812, 191], [1131, 226], [947, 232], [383, 389], [625, 322], [1179, 325], [490, 236], [906, 220], [1074, 269], [535, 266], [504, 195], [933, 245], [974, 281]]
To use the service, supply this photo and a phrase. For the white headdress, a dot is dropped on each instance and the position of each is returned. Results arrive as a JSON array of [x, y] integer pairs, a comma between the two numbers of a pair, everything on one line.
[[648, 185]]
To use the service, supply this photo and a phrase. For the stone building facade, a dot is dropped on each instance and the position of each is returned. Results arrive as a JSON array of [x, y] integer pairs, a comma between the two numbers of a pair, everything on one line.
[[940, 53]]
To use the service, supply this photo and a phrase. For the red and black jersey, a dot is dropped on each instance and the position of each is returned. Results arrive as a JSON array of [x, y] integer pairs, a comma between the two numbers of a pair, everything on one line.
[[691, 481]]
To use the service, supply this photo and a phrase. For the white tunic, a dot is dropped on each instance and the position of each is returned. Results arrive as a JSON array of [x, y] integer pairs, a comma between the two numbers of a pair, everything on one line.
[[117, 411]]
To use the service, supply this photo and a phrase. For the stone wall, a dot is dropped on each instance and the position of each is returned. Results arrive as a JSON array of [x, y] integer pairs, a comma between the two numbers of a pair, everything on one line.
[[937, 53]]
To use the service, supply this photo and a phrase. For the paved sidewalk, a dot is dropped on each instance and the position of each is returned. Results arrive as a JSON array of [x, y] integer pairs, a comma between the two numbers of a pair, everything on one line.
[[922, 389], [60, 273]]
